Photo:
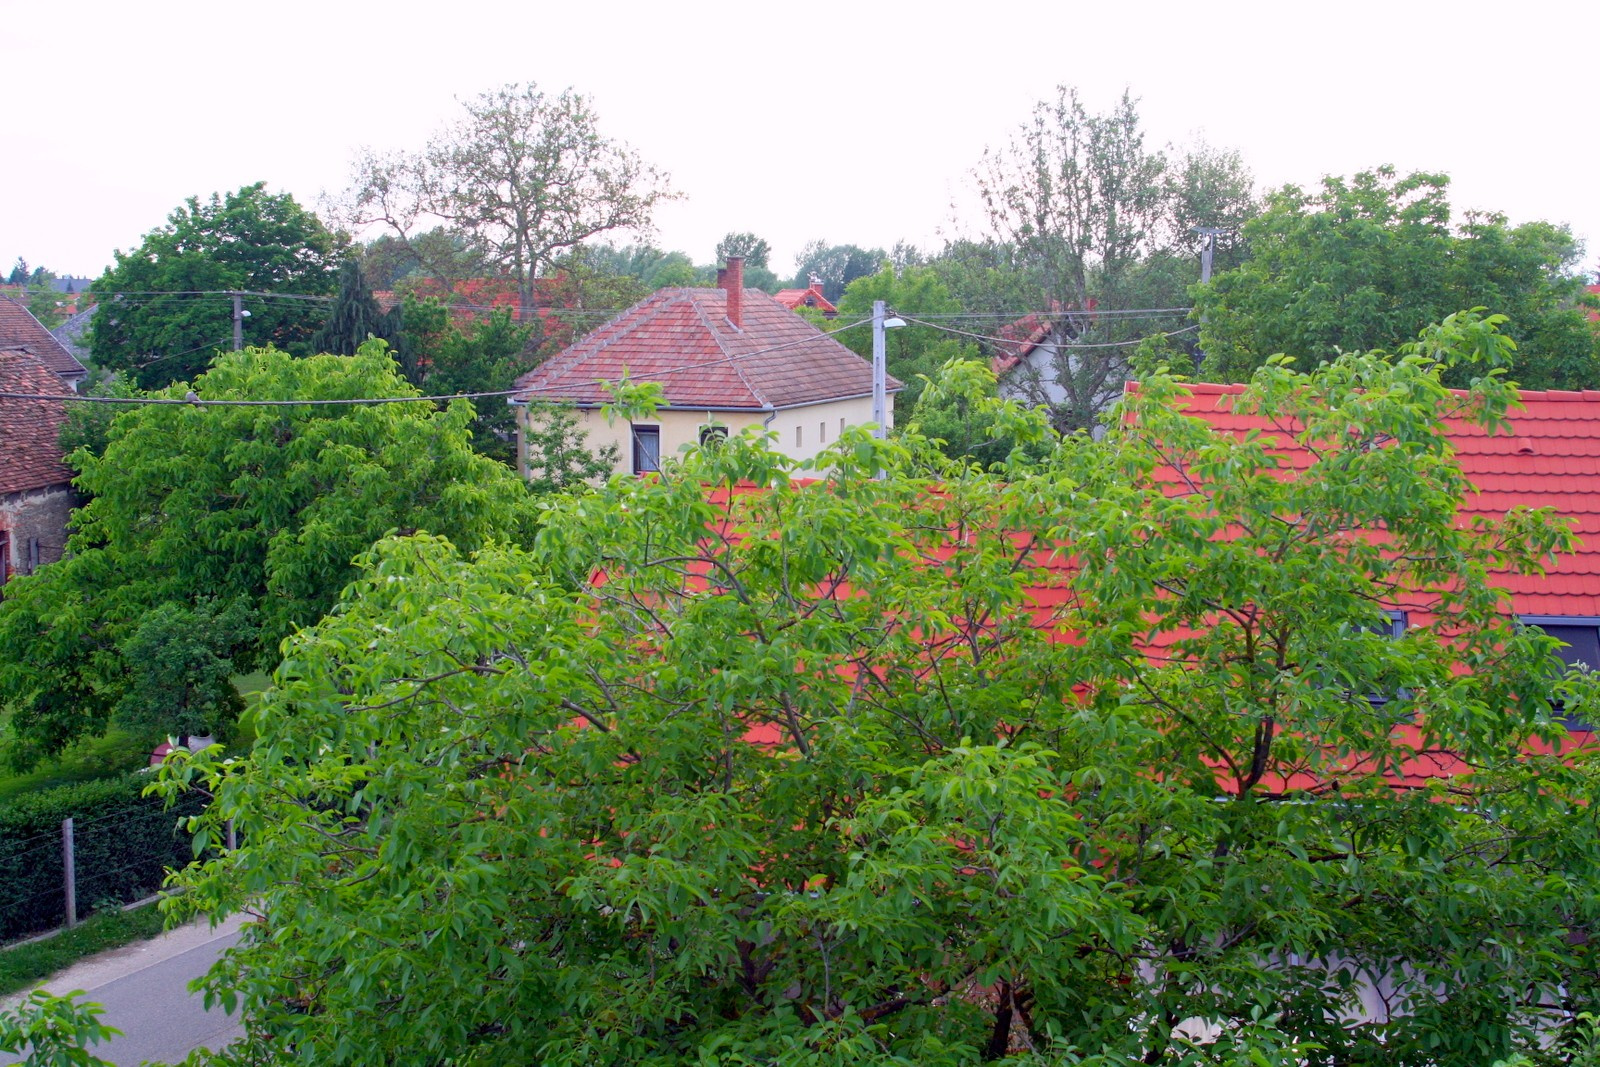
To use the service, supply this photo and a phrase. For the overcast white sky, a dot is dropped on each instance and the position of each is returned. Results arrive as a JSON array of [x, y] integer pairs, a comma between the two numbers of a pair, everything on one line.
[[855, 122]]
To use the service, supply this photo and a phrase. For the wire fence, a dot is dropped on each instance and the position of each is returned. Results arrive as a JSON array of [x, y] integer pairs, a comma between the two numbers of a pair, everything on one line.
[[102, 859]]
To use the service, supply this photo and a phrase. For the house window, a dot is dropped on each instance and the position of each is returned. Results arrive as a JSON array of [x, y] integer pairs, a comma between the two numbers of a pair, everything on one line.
[[646, 449], [822, 433], [1580, 647], [712, 434], [799, 436], [1392, 629], [5, 556], [841, 425]]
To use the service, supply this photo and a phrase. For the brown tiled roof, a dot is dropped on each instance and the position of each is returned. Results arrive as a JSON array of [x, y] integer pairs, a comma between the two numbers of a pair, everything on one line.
[[682, 339], [30, 457], [19, 329]]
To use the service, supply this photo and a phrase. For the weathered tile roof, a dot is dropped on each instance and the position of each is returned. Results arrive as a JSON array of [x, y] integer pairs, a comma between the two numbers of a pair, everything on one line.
[[30, 457], [20, 330], [682, 339], [1550, 459]]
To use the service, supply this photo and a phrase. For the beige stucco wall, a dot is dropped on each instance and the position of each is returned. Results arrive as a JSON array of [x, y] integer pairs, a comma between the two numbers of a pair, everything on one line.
[[802, 432]]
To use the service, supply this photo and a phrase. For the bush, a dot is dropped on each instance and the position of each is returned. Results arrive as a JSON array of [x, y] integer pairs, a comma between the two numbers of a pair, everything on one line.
[[123, 844]]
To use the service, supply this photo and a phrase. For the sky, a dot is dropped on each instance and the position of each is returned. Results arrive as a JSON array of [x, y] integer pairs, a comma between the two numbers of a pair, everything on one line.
[[852, 122]]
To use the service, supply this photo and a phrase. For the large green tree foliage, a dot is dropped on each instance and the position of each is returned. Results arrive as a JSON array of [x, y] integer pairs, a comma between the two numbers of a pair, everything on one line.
[[913, 351], [1085, 222], [749, 764], [163, 311], [1365, 262], [267, 505], [521, 178]]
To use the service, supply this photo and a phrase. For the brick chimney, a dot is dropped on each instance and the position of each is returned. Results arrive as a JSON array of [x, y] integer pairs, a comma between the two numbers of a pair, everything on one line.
[[733, 283], [816, 283]]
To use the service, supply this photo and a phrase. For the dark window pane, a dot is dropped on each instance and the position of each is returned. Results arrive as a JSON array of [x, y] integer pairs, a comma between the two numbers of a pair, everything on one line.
[[1580, 646], [646, 449]]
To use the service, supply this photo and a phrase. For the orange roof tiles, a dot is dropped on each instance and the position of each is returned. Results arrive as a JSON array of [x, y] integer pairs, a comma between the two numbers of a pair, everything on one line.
[[1549, 459], [30, 457], [682, 339], [20, 330]]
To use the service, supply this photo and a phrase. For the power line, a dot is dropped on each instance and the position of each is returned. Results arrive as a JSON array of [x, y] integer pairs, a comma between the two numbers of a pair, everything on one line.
[[194, 401], [1020, 341]]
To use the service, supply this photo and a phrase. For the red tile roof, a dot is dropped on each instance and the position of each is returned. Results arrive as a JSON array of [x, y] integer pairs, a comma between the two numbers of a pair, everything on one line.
[[30, 457], [1551, 458], [811, 298], [20, 330], [682, 339]]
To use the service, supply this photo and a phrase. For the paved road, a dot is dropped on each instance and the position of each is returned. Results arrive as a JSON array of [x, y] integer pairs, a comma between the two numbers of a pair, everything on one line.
[[145, 991]]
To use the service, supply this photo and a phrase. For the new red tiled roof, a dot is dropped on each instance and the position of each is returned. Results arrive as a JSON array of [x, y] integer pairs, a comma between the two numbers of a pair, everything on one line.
[[20, 330], [1551, 458], [682, 339], [30, 457]]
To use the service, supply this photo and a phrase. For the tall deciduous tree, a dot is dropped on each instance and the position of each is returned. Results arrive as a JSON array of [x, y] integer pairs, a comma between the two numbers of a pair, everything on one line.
[[809, 774], [162, 308], [1364, 262], [1087, 222], [523, 177], [266, 505], [755, 250]]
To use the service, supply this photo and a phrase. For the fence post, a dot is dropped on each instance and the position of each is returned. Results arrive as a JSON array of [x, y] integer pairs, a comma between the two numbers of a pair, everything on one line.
[[69, 871]]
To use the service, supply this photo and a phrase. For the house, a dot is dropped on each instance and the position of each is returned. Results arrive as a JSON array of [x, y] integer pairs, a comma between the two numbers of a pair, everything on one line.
[[1550, 459], [812, 297], [21, 332], [727, 358], [36, 495]]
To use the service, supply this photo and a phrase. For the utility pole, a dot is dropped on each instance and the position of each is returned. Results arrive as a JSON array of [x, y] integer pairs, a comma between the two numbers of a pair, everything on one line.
[[238, 319], [1207, 254], [880, 374]]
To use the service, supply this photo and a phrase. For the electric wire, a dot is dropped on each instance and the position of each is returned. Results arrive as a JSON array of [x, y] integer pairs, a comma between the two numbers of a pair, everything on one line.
[[1020, 341]]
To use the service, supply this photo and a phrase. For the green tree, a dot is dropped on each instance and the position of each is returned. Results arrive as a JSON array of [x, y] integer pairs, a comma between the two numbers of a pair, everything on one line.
[[1048, 765], [1084, 223], [755, 250], [162, 310], [1365, 262], [354, 317], [836, 265], [523, 177], [914, 351], [180, 662], [442, 355], [264, 504], [52, 1031]]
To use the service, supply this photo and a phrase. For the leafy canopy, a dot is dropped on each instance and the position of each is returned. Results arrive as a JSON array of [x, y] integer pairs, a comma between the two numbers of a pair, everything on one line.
[[1367, 261], [154, 319], [264, 506], [751, 763]]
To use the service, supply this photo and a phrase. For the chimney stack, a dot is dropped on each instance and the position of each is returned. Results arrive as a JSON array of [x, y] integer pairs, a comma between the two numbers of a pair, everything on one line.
[[733, 283]]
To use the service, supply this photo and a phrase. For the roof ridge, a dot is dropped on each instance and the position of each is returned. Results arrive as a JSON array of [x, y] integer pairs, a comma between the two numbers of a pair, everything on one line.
[[732, 357]]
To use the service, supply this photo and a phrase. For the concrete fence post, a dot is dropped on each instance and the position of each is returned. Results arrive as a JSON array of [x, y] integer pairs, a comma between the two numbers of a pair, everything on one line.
[[69, 871]]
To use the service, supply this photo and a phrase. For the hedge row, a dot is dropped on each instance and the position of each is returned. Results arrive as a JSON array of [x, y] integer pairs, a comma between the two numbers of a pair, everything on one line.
[[124, 844]]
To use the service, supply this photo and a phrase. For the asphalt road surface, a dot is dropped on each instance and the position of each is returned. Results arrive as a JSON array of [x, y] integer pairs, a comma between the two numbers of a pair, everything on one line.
[[145, 991]]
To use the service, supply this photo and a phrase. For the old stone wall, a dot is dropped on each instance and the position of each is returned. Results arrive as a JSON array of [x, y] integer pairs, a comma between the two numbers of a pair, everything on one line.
[[35, 522]]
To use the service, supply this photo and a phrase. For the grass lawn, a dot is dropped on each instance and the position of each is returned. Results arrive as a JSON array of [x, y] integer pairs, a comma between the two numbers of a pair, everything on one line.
[[22, 966]]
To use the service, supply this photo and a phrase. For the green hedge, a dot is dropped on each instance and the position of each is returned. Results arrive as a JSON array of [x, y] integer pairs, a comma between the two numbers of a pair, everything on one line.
[[124, 843]]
